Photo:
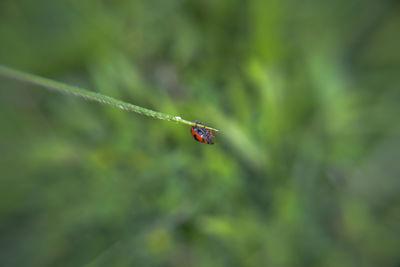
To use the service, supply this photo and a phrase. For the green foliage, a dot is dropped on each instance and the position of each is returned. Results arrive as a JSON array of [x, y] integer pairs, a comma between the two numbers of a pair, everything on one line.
[[304, 171]]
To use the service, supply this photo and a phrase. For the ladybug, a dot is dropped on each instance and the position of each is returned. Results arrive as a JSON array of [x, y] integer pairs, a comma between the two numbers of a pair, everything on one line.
[[201, 134]]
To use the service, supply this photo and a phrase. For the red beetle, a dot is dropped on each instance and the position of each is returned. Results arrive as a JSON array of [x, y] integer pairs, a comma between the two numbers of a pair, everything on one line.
[[201, 134]]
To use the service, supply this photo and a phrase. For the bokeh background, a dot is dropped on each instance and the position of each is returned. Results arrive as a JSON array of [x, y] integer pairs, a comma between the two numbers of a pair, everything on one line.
[[305, 170]]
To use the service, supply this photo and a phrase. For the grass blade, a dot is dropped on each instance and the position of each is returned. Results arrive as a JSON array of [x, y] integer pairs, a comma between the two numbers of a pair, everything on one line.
[[89, 95]]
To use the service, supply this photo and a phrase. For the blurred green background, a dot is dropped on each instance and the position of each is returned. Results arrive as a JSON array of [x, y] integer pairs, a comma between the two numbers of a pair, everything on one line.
[[305, 170]]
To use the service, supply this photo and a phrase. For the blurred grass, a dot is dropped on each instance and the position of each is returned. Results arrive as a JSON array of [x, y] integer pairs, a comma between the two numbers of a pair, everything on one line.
[[304, 172]]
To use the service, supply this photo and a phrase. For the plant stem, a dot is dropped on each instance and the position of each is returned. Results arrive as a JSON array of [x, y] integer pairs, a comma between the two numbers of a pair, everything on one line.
[[58, 86]]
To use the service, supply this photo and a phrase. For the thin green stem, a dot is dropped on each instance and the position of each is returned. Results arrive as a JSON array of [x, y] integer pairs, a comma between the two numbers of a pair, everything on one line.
[[50, 84]]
